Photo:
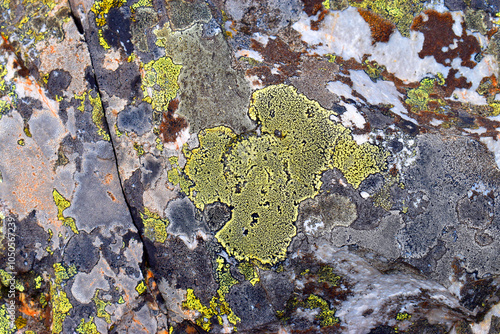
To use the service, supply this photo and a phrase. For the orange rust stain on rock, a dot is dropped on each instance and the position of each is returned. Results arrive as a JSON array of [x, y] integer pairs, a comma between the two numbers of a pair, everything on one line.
[[381, 29], [108, 178], [275, 53], [312, 7], [110, 194], [171, 124], [438, 35]]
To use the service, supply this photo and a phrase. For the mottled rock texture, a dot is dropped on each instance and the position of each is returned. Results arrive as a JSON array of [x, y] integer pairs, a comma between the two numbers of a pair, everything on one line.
[[271, 166]]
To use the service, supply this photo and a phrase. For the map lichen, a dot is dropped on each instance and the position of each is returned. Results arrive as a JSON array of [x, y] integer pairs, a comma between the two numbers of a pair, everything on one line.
[[265, 176], [159, 82], [155, 228], [62, 204]]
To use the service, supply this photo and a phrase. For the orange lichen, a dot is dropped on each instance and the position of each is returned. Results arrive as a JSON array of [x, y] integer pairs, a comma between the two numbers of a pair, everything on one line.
[[381, 29]]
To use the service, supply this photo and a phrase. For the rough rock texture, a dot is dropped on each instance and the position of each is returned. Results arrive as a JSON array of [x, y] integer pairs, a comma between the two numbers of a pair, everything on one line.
[[298, 166]]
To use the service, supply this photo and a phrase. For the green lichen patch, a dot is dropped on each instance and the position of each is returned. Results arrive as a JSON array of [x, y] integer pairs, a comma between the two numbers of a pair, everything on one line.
[[101, 307], [155, 228], [426, 96], [326, 315], [218, 305], [265, 177], [5, 321], [62, 204], [141, 288], [88, 327], [139, 149], [8, 96], [159, 83], [98, 115], [249, 271], [60, 307]]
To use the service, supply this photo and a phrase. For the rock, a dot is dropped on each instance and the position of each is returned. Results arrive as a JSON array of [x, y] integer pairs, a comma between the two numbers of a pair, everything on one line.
[[273, 166]]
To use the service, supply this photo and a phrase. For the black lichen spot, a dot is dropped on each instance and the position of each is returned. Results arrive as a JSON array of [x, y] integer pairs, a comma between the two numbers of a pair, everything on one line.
[[73, 255], [90, 77], [124, 82], [134, 190], [251, 305], [151, 170], [382, 330], [117, 32], [475, 294], [183, 268], [216, 215], [58, 81], [25, 107], [408, 127], [30, 238]]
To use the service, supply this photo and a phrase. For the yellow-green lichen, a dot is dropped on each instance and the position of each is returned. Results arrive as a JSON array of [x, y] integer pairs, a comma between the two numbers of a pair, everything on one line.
[[373, 69], [141, 287], [141, 3], [81, 97], [5, 321], [218, 305], [21, 142], [326, 315], [38, 282], [32, 21], [265, 177], [425, 97], [155, 228], [101, 10], [325, 274], [121, 300], [8, 96], [21, 322], [400, 12], [98, 116], [224, 277], [118, 132], [249, 271], [159, 83], [60, 307], [101, 307], [176, 177], [5, 279], [58, 298], [62, 204], [62, 273], [403, 316], [139, 149], [88, 327]]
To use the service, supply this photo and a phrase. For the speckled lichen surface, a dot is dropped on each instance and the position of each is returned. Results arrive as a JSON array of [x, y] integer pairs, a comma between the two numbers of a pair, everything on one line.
[[299, 166]]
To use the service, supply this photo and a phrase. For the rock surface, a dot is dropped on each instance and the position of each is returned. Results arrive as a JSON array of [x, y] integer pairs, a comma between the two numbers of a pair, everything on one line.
[[298, 166]]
